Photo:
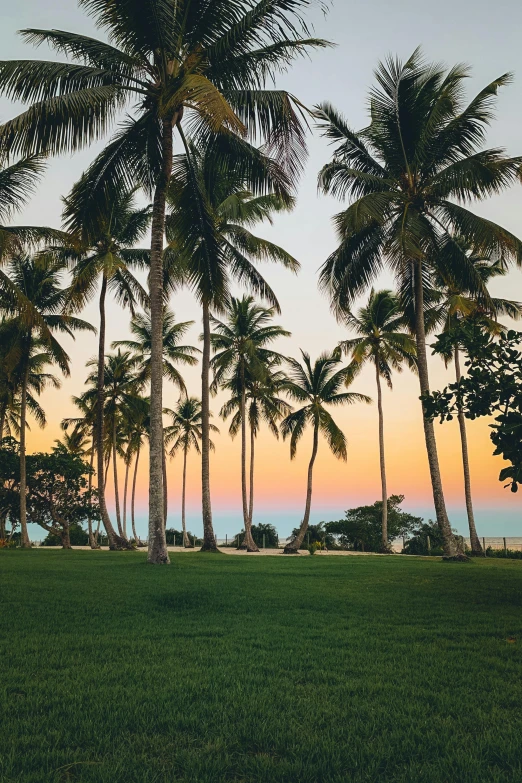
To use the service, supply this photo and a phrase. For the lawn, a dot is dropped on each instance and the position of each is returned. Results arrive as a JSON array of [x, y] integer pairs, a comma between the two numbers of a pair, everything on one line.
[[265, 669]]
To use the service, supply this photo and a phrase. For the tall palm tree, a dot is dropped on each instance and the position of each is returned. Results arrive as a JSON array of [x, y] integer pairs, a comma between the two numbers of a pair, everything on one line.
[[263, 404], [11, 349], [120, 384], [382, 341], [213, 210], [315, 386], [174, 62], [173, 353], [185, 432], [11, 381], [85, 426], [37, 281], [140, 429], [420, 155], [452, 303], [101, 250], [240, 346]]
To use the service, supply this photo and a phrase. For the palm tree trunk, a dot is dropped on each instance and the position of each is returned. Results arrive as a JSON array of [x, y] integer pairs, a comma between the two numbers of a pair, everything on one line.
[[157, 553], [209, 539], [385, 545], [251, 498], [107, 466], [248, 542], [133, 497], [128, 460], [92, 541], [25, 541], [3, 413], [165, 491], [115, 474], [450, 547], [476, 547], [186, 539], [115, 541], [294, 545]]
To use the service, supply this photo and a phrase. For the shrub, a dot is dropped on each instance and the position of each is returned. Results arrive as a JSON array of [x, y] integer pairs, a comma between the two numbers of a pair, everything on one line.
[[360, 529], [258, 531], [77, 535], [418, 543]]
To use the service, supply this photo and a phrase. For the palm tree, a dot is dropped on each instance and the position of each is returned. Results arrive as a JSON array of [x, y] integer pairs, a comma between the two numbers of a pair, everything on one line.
[[263, 405], [120, 384], [37, 281], [420, 155], [209, 227], [174, 62], [140, 419], [240, 347], [75, 442], [383, 342], [85, 426], [452, 303], [17, 183], [11, 347], [315, 386], [11, 380], [102, 249], [186, 433], [173, 353]]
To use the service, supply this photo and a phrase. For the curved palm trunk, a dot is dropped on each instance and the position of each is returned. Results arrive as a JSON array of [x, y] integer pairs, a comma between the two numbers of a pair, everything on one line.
[[115, 474], [165, 491], [186, 540], [248, 542], [115, 541], [133, 497], [294, 545], [209, 539], [450, 546], [157, 553], [3, 413], [25, 541], [128, 460], [251, 497], [476, 547], [92, 540], [385, 545]]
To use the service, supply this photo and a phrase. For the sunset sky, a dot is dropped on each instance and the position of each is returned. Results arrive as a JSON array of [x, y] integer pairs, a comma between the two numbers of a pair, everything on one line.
[[364, 33]]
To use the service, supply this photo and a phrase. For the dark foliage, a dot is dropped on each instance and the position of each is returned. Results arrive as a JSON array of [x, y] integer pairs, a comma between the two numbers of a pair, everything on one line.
[[426, 539], [361, 528], [318, 534], [175, 537], [492, 387], [77, 534]]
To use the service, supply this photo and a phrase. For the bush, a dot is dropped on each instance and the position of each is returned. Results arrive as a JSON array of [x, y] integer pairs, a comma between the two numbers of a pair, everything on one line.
[[317, 534], [258, 531], [78, 536], [361, 527], [173, 535], [511, 554], [418, 543]]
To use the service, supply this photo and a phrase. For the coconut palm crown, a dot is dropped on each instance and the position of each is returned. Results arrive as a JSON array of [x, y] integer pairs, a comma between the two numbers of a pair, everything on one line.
[[314, 386]]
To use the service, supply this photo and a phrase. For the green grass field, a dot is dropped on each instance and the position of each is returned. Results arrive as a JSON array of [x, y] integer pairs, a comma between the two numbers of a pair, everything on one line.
[[276, 670]]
